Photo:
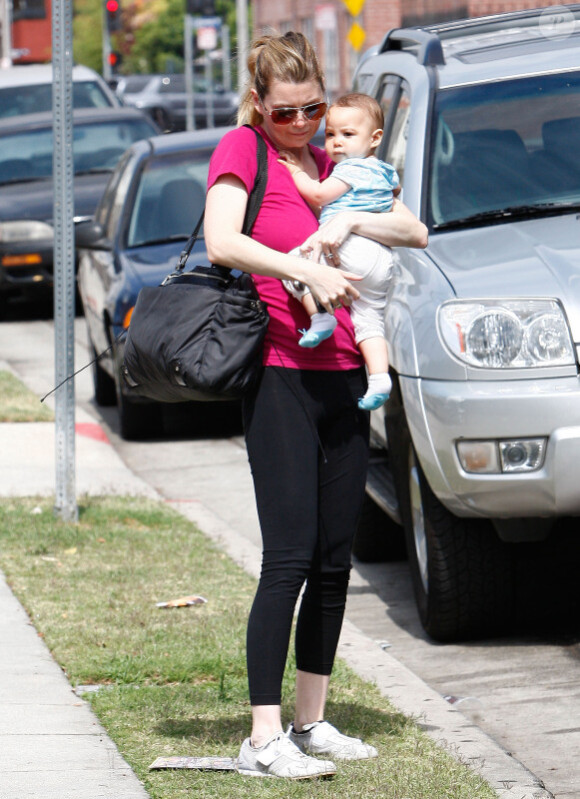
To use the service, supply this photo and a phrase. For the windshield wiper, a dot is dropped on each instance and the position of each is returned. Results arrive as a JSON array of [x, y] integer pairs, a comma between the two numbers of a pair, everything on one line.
[[95, 170], [165, 240], [24, 180], [511, 212]]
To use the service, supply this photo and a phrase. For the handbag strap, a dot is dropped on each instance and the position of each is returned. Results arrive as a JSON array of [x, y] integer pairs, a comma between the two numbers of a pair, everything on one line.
[[254, 200]]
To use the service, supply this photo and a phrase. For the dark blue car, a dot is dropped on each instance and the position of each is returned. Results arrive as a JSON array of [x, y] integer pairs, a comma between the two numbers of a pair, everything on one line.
[[146, 215]]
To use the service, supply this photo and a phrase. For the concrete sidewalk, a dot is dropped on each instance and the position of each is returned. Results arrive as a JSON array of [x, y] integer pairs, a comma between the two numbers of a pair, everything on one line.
[[53, 747]]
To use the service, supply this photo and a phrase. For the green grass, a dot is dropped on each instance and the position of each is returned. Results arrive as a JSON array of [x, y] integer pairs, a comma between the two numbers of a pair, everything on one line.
[[19, 404], [174, 681]]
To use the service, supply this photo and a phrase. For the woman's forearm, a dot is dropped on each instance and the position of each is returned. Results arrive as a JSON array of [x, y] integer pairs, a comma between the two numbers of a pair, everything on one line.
[[398, 228]]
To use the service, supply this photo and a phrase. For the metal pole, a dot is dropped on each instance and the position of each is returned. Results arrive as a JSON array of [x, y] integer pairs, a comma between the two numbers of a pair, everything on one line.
[[6, 22], [209, 119], [64, 258], [227, 73], [189, 87], [242, 34], [106, 47]]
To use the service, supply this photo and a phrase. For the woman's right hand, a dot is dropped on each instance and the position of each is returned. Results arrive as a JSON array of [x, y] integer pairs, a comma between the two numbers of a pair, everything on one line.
[[331, 287]]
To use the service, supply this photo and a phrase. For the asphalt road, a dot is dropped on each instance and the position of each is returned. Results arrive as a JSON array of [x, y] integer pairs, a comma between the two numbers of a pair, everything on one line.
[[522, 689]]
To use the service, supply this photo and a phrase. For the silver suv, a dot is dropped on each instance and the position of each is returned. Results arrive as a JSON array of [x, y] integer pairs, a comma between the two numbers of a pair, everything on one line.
[[479, 445]]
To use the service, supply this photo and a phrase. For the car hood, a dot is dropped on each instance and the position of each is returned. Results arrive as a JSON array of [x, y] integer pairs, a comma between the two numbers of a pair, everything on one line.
[[534, 258], [34, 199], [147, 266]]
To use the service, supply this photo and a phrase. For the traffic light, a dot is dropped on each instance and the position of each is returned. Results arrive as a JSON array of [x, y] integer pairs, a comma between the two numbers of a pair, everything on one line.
[[200, 8], [113, 14], [115, 58]]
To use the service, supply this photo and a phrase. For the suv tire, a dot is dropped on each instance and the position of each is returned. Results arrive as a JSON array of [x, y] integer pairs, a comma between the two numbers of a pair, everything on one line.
[[461, 571]]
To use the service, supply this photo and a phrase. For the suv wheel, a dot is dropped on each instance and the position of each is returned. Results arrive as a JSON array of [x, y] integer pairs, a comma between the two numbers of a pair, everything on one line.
[[461, 571]]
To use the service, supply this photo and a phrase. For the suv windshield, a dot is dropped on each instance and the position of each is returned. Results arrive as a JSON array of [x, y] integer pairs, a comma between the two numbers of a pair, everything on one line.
[[505, 146]]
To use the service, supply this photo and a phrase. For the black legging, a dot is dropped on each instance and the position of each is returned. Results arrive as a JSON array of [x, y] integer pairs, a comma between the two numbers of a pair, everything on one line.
[[307, 443]]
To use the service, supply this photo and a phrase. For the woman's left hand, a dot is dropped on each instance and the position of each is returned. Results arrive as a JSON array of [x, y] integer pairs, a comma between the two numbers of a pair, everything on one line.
[[328, 238]]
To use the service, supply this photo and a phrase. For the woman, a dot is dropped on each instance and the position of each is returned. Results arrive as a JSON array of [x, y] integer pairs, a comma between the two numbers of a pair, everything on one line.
[[307, 440]]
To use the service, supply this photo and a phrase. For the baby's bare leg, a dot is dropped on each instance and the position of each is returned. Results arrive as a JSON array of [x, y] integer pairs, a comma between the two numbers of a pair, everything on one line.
[[309, 305], [374, 351]]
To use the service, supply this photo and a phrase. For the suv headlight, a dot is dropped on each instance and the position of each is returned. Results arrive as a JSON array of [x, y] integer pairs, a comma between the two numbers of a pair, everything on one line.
[[25, 230], [506, 334]]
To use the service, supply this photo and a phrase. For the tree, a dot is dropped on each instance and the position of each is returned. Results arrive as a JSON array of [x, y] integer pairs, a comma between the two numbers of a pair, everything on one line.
[[87, 34], [158, 41], [151, 36]]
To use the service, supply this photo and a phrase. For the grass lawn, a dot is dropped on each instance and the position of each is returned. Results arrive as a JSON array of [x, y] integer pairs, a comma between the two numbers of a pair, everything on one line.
[[18, 404], [173, 680]]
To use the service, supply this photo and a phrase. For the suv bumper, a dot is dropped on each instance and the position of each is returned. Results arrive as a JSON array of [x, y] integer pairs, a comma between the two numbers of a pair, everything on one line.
[[440, 413]]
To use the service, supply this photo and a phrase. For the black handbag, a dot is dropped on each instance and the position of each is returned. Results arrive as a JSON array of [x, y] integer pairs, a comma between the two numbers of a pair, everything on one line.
[[199, 335]]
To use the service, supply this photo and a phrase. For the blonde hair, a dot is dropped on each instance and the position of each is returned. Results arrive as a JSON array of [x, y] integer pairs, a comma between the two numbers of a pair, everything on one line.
[[289, 58], [364, 103]]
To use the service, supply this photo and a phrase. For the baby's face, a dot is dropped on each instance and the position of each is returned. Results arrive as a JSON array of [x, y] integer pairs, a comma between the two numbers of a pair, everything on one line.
[[349, 134]]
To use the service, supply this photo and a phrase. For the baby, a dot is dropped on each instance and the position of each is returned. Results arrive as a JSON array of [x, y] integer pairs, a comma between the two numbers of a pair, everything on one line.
[[361, 182]]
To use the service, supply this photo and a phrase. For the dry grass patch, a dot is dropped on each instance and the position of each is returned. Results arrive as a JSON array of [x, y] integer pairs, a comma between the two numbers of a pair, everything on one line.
[[19, 404]]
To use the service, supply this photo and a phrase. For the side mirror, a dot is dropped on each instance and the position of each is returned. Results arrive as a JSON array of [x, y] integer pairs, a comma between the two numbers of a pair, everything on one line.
[[89, 235]]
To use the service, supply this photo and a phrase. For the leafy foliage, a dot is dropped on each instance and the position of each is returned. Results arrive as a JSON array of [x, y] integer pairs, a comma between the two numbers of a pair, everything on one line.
[[152, 36]]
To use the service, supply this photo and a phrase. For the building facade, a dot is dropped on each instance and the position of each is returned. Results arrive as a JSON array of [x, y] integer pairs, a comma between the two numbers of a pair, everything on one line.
[[341, 37]]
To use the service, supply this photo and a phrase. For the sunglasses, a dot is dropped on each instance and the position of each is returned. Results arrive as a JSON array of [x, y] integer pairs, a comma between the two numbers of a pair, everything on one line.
[[285, 116]]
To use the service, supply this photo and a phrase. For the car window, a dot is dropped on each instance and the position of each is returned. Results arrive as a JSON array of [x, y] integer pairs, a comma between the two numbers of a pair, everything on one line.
[[99, 146], [170, 197], [18, 100], [394, 148], [134, 83], [104, 207], [27, 154], [124, 177], [387, 100], [88, 94], [513, 143], [172, 83]]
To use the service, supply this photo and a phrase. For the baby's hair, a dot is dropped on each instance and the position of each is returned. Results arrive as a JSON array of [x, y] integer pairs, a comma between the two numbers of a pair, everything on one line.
[[363, 102]]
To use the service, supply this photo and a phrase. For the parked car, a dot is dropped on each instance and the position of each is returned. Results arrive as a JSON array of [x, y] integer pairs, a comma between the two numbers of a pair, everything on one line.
[[164, 97], [478, 446], [147, 213], [27, 89], [100, 137]]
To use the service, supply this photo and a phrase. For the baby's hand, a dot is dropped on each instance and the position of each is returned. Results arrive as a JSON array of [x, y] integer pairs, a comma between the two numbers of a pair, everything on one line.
[[289, 160]]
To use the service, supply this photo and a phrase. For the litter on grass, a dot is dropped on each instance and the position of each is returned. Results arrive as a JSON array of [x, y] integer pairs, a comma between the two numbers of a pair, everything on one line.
[[183, 602], [204, 763]]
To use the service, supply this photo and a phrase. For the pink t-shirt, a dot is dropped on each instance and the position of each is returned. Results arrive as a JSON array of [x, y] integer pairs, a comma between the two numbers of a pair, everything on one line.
[[284, 221]]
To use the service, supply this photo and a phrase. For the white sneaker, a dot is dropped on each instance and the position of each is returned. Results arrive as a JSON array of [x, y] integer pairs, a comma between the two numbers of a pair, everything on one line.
[[321, 738], [279, 757]]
